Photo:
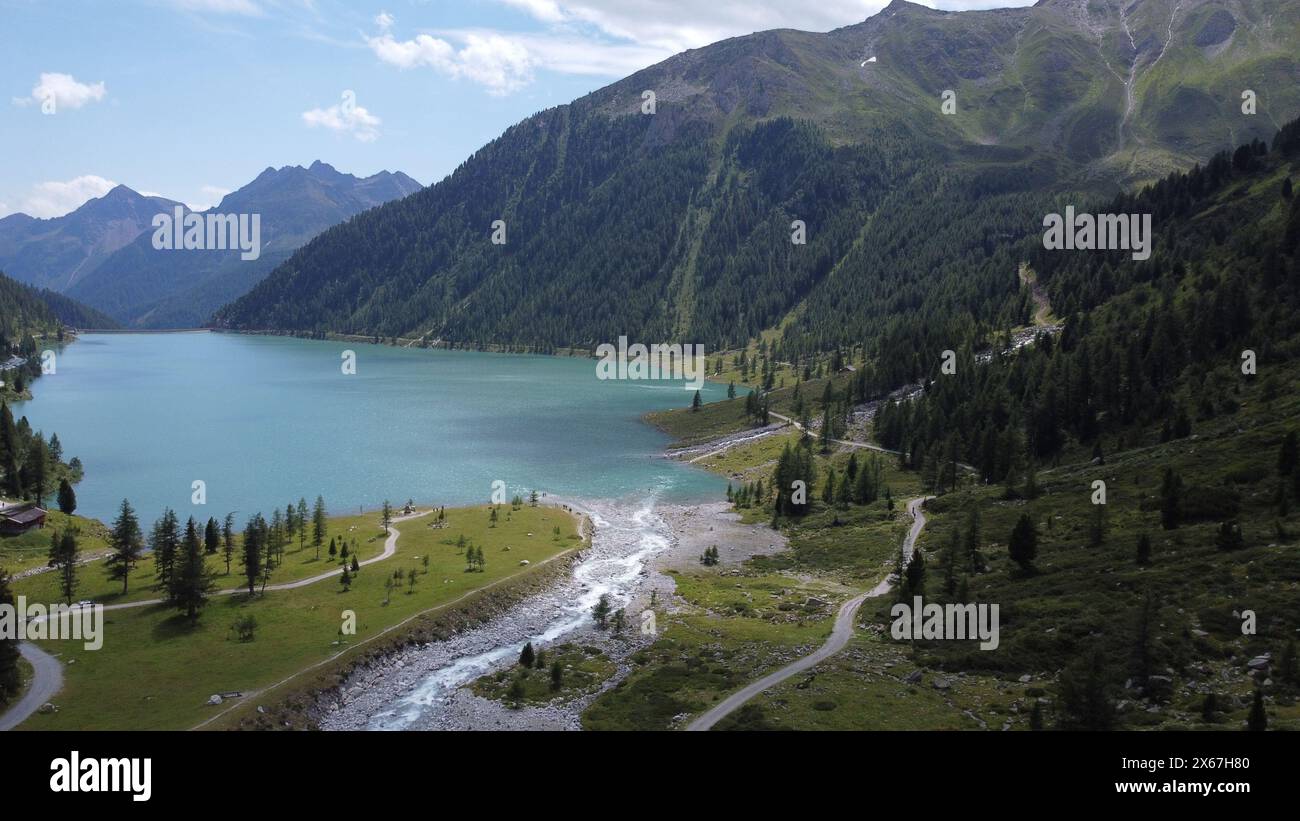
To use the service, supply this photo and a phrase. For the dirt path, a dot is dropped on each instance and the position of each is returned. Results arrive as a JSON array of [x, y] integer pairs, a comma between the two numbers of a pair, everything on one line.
[[1042, 304], [840, 634], [48, 677]]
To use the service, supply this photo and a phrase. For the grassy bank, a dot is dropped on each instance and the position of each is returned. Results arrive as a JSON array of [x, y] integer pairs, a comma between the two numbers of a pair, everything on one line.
[[157, 671]]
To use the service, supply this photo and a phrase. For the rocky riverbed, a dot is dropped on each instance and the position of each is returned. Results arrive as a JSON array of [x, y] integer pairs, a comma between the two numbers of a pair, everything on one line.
[[634, 544]]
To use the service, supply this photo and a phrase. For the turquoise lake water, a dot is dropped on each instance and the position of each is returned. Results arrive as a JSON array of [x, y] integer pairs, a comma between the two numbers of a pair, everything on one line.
[[266, 420]]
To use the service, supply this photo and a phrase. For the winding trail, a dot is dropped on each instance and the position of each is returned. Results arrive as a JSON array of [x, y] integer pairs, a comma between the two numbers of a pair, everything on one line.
[[47, 679], [840, 634], [845, 442]]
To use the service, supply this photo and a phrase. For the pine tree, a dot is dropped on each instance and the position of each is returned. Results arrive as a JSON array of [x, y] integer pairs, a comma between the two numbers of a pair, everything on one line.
[[526, 655], [916, 573], [1086, 700], [252, 558], [63, 558], [194, 582], [67, 498], [1171, 501], [600, 612], [1023, 545], [165, 542], [211, 537], [1210, 708], [1144, 550], [1258, 720], [1287, 454], [346, 580], [126, 542], [387, 516], [302, 527], [319, 525], [228, 540], [971, 541], [38, 475]]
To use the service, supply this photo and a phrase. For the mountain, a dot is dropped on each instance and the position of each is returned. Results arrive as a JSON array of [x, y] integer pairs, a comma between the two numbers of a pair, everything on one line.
[[149, 288], [28, 310], [57, 253], [678, 224]]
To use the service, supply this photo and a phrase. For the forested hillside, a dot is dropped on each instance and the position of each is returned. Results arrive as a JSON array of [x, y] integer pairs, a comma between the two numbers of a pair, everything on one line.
[[1125, 487], [24, 309], [1161, 339], [678, 224]]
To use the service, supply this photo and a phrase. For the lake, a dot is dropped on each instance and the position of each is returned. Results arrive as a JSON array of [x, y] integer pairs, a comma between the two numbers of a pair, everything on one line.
[[266, 420]]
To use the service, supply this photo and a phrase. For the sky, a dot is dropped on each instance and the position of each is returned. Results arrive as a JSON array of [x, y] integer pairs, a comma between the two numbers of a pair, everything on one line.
[[191, 99]]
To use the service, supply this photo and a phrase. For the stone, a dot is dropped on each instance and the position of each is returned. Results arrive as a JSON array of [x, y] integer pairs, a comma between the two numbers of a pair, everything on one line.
[[913, 677], [1160, 688], [941, 684], [214, 699], [1026, 678]]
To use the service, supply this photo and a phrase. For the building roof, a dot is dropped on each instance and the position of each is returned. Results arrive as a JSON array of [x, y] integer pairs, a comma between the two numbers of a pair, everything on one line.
[[22, 514]]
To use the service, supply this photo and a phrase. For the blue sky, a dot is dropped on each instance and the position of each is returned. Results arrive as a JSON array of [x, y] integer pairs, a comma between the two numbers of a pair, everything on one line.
[[193, 98]]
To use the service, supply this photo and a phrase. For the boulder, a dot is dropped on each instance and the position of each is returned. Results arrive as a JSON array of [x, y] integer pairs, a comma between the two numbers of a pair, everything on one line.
[[1160, 688], [214, 699]]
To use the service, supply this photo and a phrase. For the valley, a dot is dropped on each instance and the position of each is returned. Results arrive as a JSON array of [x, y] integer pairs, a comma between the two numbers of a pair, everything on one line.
[[646, 414]]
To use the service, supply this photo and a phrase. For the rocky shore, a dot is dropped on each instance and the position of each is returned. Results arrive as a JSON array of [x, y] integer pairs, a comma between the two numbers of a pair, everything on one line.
[[423, 687]]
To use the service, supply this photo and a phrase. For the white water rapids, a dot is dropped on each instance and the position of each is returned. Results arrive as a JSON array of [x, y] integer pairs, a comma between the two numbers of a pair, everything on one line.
[[626, 537]]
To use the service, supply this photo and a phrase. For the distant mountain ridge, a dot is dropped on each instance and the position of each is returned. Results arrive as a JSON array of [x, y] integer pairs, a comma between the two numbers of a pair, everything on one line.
[[677, 225], [57, 253], [102, 253]]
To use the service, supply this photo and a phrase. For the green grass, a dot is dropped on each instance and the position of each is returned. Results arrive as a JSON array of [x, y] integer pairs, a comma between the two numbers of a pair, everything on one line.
[[298, 563], [157, 671], [585, 670], [31, 549], [1078, 596], [734, 630]]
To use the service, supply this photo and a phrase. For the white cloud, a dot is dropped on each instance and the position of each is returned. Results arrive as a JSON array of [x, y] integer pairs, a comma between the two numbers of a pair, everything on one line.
[[63, 91], [345, 118], [676, 25], [54, 199], [210, 197], [612, 38], [548, 11], [500, 63]]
